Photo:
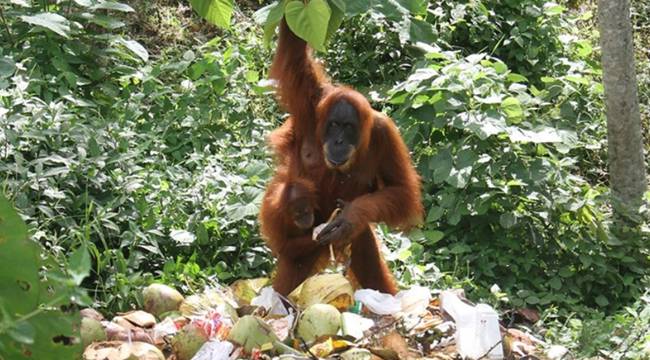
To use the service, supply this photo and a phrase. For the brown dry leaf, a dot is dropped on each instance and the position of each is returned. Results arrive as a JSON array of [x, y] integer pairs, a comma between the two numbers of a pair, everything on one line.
[[118, 350], [394, 341], [444, 353], [531, 315], [140, 318], [517, 342], [427, 321], [385, 354]]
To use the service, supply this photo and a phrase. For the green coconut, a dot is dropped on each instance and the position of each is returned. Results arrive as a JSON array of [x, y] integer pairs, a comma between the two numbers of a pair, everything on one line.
[[318, 320], [159, 299], [91, 331], [188, 341], [251, 332]]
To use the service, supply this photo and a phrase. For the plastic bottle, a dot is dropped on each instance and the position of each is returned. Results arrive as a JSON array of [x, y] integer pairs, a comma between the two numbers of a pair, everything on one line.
[[488, 332], [477, 327]]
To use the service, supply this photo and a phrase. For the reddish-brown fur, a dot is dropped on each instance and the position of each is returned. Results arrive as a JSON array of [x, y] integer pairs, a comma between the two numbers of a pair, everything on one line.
[[277, 225], [380, 185], [281, 193]]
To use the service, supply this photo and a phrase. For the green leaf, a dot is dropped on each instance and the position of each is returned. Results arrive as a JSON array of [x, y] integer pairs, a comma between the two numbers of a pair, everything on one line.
[[421, 31], [581, 80], [514, 77], [23, 332], [107, 22], [112, 5], [83, 3], [79, 264], [532, 300], [393, 10], [483, 124], [555, 283], [566, 272], [357, 7], [441, 163], [335, 22], [435, 213], [418, 7], [601, 300], [339, 4], [182, 237], [551, 8], [511, 106], [500, 67], [7, 67], [136, 48], [269, 14], [584, 48], [50, 21], [459, 248], [459, 177], [216, 12], [273, 19], [433, 236], [507, 220], [310, 21]]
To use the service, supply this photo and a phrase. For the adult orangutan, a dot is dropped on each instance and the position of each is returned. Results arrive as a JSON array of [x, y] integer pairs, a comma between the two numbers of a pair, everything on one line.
[[350, 152]]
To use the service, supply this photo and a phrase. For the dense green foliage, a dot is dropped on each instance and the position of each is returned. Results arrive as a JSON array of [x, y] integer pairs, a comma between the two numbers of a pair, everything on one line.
[[512, 166], [146, 165], [155, 164]]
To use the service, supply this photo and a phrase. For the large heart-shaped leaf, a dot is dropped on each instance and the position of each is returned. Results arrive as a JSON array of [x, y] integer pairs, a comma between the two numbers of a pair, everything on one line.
[[269, 17], [216, 12], [271, 13], [309, 21], [51, 21]]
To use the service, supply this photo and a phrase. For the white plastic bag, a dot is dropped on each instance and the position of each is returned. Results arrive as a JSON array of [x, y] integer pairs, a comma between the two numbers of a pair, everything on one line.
[[415, 300], [379, 303], [271, 301], [214, 350], [354, 325]]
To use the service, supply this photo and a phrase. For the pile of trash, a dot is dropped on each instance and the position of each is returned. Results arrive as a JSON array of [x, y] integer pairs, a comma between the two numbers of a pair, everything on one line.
[[323, 318]]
